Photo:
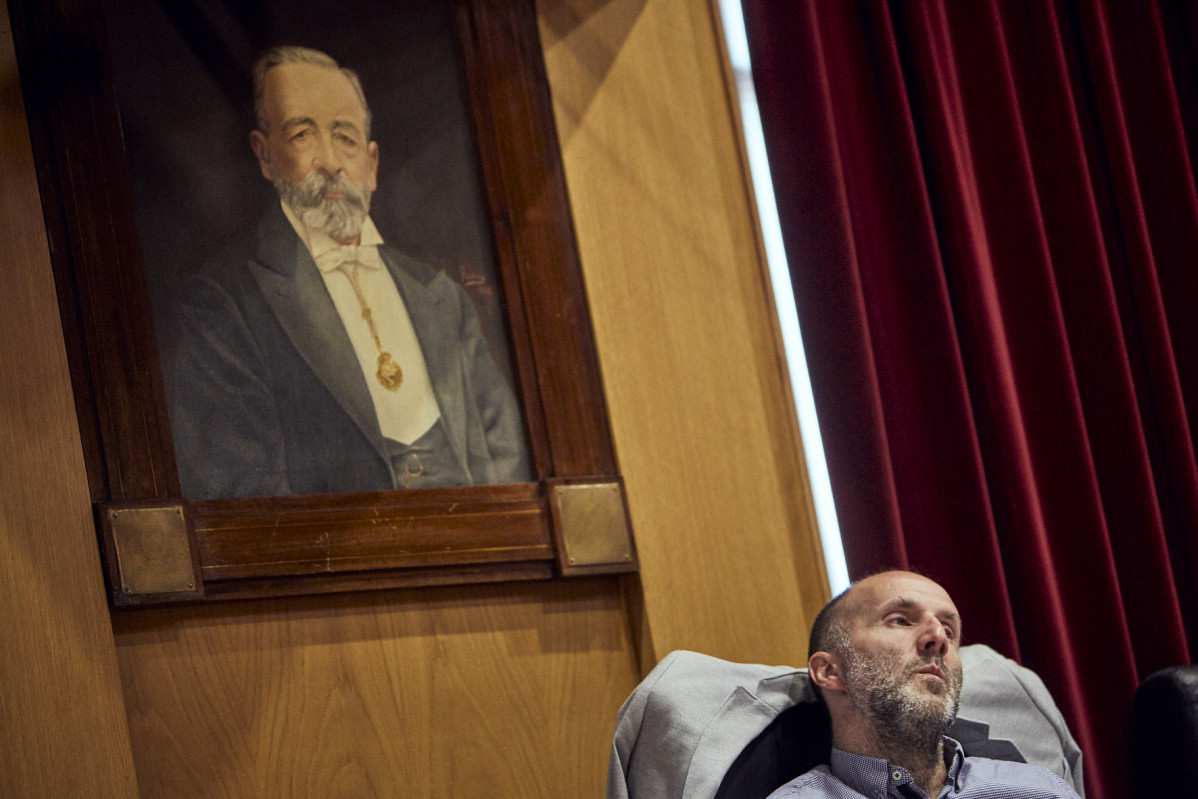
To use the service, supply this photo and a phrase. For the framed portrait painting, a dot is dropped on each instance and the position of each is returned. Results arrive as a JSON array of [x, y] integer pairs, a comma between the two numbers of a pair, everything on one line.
[[322, 301]]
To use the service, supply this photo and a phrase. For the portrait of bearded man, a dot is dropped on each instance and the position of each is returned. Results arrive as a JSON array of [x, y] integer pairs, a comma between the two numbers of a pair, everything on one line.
[[313, 357]]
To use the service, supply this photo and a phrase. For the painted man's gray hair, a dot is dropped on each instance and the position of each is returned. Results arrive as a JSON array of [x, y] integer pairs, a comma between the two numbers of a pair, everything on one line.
[[276, 57]]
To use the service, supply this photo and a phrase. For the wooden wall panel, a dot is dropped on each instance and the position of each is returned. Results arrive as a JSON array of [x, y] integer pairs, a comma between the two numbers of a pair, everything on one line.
[[696, 388], [62, 725], [511, 691], [505, 691], [501, 691]]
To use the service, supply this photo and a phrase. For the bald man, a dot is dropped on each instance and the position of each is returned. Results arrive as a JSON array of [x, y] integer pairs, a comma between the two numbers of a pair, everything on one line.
[[884, 656]]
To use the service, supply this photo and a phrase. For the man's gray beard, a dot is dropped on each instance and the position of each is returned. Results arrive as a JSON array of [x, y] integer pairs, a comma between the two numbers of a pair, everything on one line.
[[340, 220], [902, 718]]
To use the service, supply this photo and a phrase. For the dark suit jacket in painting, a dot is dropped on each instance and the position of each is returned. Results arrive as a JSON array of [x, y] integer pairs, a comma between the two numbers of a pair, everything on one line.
[[270, 398]]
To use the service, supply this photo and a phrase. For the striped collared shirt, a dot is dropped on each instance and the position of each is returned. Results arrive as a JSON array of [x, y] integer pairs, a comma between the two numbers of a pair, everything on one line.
[[853, 776]]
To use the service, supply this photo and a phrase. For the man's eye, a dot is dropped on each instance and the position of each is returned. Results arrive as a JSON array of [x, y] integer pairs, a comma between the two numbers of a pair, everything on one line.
[[899, 620], [301, 135], [348, 141]]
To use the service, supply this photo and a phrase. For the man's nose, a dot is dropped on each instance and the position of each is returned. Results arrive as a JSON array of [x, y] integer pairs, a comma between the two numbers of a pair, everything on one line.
[[934, 638], [325, 157]]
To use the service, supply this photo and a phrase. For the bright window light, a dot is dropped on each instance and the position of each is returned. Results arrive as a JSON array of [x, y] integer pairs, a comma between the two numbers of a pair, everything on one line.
[[817, 466]]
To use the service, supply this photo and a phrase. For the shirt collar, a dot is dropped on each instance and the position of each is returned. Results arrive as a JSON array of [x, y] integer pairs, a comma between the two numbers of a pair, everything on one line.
[[955, 759], [871, 776]]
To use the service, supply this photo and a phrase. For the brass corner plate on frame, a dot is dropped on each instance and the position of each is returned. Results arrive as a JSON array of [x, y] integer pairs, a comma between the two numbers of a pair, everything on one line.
[[152, 553], [591, 527]]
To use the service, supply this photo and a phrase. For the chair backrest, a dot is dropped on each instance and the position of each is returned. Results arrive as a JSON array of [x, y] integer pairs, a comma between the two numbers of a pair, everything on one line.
[[1164, 724], [702, 728], [800, 739]]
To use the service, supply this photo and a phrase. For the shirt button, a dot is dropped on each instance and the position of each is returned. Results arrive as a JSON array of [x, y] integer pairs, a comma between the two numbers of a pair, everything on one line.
[[898, 775]]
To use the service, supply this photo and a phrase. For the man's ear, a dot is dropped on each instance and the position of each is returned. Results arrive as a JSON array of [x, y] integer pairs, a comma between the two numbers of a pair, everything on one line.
[[372, 150], [262, 151], [825, 671]]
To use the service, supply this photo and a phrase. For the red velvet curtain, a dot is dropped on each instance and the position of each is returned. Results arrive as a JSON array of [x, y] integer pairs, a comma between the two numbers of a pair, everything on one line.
[[990, 214]]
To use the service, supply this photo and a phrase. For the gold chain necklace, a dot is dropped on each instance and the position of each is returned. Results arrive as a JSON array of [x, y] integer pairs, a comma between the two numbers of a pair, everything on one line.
[[389, 373]]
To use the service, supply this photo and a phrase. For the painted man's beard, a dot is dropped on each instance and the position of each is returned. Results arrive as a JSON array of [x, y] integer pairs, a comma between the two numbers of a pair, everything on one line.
[[340, 219], [904, 716]]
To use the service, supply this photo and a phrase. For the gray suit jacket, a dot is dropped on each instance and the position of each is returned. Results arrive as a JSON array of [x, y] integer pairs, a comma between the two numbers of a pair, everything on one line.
[[269, 398], [687, 722]]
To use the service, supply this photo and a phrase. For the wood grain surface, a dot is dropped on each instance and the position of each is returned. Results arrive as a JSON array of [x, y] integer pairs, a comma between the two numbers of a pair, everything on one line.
[[697, 392], [503, 691], [62, 724]]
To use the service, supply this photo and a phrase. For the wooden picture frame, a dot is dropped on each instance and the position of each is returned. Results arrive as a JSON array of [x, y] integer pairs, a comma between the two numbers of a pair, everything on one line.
[[571, 519]]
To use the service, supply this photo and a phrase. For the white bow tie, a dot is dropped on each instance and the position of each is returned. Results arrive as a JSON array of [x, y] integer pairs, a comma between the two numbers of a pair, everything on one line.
[[366, 255]]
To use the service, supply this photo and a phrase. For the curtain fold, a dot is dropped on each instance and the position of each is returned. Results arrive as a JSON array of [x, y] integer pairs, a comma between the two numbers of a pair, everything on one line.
[[990, 214]]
